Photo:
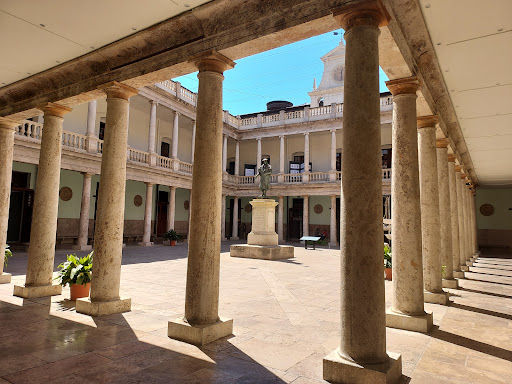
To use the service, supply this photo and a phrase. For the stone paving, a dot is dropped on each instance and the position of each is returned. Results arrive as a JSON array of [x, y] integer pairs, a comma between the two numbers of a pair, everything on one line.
[[286, 319]]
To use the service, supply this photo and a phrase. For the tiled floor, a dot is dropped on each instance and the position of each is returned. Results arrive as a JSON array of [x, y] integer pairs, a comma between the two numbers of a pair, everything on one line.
[[286, 319]]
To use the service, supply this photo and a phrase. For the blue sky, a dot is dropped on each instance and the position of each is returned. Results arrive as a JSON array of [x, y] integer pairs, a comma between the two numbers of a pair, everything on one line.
[[284, 73]]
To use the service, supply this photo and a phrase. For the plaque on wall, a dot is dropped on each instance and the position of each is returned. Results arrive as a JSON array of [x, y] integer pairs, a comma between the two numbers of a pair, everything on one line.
[[248, 208], [186, 205], [319, 209], [486, 209], [137, 200], [66, 193]]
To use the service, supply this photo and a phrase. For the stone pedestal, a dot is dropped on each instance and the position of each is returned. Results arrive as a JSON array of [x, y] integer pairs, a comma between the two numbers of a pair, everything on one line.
[[436, 297], [102, 308], [262, 241], [199, 335], [450, 283], [458, 274], [421, 323]]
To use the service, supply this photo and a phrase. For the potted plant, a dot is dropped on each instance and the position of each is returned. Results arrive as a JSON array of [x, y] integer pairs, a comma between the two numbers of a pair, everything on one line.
[[172, 236], [387, 261], [77, 273], [8, 254]]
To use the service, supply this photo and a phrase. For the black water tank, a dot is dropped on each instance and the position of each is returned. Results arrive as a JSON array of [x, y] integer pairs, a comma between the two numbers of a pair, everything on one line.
[[278, 105]]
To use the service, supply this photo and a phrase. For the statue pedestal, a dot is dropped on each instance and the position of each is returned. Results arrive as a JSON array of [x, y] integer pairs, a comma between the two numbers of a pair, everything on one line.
[[262, 241]]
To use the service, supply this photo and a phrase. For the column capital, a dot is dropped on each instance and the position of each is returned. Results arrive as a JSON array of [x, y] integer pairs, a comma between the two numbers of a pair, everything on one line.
[[442, 143], [427, 121], [333, 130], [404, 86], [149, 184], [458, 168], [282, 136], [114, 89], [370, 12], [452, 158], [54, 109], [212, 61], [88, 174], [258, 139], [306, 133], [177, 113], [153, 102], [7, 123]]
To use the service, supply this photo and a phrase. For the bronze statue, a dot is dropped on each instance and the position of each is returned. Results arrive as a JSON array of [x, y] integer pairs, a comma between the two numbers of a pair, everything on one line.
[[264, 173]]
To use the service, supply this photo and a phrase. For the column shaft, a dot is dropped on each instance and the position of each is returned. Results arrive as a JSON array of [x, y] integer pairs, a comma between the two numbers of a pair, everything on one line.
[[333, 150], [460, 210], [6, 152], [475, 226], [281, 154], [444, 208], [171, 208], [407, 264], [152, 127], [193, 140], [429, 192], [465, 211], [146, 237], [235, 218], [258, 154], [305, 217], [108, 236], [306, 153], [41, 250], [175, 133], [91, 118], [223, 219], [333, 238], [454, 214], [237, 158], [225, 153], [280, 223], [83, 231]]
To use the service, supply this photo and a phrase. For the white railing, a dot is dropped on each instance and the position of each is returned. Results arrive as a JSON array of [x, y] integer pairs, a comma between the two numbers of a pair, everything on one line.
[[386, 174], [169, 84], [320, 111], [270, 118], [273, 179], [138, 156], [233, 120], [243, 180], [29, 128], [249, 121], [99, 146], [186, 94], [295, 114], [74, 140], [185, 167], [388, 100], [339, 108], [164, 162], [315, 177], [293, 178]]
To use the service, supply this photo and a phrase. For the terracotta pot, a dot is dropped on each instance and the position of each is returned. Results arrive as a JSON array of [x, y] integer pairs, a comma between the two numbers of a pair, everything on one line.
[[79, 290], [387, 272], [172, 243]]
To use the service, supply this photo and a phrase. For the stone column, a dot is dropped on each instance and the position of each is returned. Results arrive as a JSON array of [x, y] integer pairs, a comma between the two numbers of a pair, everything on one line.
[[146, 237], [332, 175], [454, 218], [7, 127], [467, 251], [92, 139], [108, 235], [362, 356], [305, 176], [443, 185], [175, 133], [258, 154], [152, 127], [475, 226], [333, 238], [225, 154], [280, 176], [430, 221], [171, 208], [83, 231], [41, 251], [202, 323], [280, 222], [193, 140], [235, 218], [305, 217], [407, 311], [223, 219], [237, 158], [460, 209]]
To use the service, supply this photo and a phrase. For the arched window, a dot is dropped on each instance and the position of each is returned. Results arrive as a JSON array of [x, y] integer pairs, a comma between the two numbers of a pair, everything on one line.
[[321, 102]]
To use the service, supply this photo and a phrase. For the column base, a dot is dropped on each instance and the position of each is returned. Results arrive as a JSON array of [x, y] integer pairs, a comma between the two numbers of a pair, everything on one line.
[[436, 297], [469, 263], [458, 274], [145, 244], [450, 283], [32, 292], [339, 370], [5, 278], [464, 268], [472, 259], [102, 308], [271, 252], [82, 247], [398, 320], [179, 329]]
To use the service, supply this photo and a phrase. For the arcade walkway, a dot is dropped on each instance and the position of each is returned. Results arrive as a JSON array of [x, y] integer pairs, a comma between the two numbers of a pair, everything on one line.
[[286, 319]]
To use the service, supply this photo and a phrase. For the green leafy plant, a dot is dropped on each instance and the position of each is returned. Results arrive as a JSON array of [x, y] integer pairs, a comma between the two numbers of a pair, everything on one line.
[[8, 254], [387, 256], [75, 270], [172, 235]]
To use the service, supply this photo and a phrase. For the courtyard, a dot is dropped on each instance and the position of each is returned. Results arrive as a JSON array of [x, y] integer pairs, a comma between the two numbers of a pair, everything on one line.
[[286, 320]]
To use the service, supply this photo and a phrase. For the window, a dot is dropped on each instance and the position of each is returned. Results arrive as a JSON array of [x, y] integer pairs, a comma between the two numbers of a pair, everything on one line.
[[165, 149], [338, 161], [321, 102], [101, 135], [386, 158]]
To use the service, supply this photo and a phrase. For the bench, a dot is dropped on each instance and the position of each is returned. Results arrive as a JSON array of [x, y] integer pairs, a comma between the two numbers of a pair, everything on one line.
[[312, 239]]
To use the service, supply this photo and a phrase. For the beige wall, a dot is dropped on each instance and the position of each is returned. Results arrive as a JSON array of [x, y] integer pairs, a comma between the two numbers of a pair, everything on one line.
[[501, 200]]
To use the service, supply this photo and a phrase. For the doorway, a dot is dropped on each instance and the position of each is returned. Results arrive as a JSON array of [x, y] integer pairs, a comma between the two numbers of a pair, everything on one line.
[[295, 219], [161, 213], [20, 208]]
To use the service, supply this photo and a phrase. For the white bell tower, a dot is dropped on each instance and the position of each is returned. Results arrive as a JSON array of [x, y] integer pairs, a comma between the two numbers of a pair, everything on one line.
[[330, 89]]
